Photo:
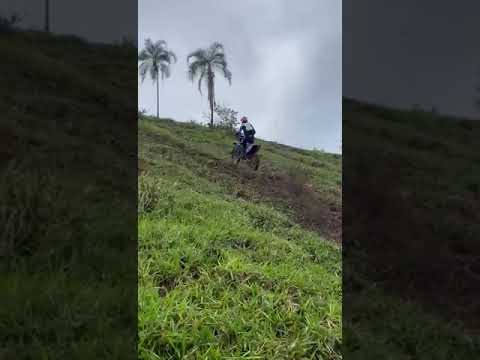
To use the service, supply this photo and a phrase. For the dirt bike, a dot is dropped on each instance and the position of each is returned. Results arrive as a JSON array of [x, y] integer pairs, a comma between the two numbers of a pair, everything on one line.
[[250, 156]]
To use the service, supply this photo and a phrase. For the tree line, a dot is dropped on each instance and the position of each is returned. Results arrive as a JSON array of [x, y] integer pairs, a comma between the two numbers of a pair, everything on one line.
[[203, 65]]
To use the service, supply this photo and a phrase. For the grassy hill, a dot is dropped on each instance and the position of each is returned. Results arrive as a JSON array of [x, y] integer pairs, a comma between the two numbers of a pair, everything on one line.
[[235, 263]]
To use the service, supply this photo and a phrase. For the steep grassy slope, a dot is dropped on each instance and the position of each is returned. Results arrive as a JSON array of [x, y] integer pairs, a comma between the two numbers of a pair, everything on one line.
[[190, 152], [411, 225], [67, 135], [227, 267]]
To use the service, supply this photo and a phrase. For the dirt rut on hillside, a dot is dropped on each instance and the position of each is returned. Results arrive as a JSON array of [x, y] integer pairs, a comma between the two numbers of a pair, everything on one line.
[[296, 193]]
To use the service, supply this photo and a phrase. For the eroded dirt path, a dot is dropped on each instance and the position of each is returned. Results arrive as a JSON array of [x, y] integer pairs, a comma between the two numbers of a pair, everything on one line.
[[295, 193]]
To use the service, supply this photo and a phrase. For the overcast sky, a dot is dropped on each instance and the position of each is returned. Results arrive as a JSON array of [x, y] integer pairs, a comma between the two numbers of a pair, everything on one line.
[[413, 52], [285, 56]]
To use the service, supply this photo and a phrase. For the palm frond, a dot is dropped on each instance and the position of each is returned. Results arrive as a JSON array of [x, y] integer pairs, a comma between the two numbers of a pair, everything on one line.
[[222, 65], [201, 61], [153, 72], [195, 67], [197, 55], [149, 46], [228, 75], [200, 78], [172, 55], [167, 57], [155, 58], [165, 71], [218, 57], [143, 69], [162, 44], [148, 43], [216, 47], [143, 55]]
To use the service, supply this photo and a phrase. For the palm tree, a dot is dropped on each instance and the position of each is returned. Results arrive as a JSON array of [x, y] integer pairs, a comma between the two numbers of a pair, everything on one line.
[[203, 63], [47, 15], [155, 59]]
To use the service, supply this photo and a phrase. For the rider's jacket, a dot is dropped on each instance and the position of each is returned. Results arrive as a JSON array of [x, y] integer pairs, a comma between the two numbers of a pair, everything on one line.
[[248, 131]]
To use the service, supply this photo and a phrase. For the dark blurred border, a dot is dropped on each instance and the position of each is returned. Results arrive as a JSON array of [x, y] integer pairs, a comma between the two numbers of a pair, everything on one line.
[[68, 162], [411, 177]]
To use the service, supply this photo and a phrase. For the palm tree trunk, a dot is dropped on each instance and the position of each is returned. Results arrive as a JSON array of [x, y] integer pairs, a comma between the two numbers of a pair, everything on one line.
[[157, 99], [211, 94], [47, 15], [211, 113]]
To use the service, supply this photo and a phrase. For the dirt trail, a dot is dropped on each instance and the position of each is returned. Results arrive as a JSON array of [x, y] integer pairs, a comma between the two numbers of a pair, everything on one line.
[[296, 193]]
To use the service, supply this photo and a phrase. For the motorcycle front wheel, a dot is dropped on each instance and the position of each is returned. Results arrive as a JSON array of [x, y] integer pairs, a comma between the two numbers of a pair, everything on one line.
[[235, 156]]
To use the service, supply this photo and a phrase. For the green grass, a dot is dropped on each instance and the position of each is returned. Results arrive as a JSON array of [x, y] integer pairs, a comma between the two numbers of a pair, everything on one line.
[[198, 149], [221, 277]]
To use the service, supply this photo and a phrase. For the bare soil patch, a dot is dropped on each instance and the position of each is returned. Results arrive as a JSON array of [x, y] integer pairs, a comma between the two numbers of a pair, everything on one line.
[[298, 195]]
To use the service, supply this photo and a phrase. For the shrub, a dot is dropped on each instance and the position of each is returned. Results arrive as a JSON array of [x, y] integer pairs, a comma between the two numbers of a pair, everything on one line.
[[148, 193], [226, 118], [153, 196]]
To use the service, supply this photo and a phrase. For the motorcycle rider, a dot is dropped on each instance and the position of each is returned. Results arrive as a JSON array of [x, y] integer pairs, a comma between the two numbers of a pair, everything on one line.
[[248, 132]]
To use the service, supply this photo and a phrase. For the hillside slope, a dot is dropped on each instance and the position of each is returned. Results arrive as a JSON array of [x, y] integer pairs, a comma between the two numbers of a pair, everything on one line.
[[309, 175], [235, 263]]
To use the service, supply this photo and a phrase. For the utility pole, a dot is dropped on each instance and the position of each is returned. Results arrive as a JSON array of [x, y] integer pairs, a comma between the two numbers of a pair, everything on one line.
[[47, 15]]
